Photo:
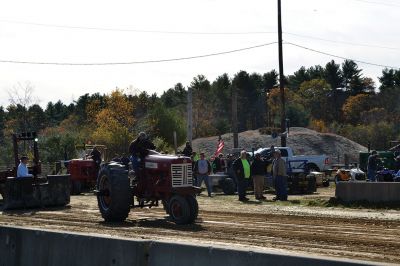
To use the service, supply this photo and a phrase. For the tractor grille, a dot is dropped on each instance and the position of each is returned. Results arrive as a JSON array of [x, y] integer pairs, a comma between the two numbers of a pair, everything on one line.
[[181, 175]]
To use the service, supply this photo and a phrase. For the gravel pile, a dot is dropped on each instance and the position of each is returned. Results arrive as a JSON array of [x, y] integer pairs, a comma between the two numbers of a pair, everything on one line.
[[301, 140]]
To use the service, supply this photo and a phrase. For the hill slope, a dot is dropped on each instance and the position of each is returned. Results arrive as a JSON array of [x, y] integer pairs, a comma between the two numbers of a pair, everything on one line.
[[302, 140]]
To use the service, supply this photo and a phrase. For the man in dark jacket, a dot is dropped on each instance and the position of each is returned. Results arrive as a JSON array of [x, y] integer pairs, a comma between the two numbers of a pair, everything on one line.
[[139, 149], [96, 157], [187, 151], [242, 170], [258, 171]]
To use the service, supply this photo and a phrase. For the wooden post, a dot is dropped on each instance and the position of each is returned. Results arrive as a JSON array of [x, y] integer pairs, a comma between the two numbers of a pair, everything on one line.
[[235, 118], [175, 143], [281, 78], [189, 115]]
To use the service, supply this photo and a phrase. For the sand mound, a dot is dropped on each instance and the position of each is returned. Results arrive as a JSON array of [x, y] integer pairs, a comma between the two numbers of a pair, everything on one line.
[[301, 140]]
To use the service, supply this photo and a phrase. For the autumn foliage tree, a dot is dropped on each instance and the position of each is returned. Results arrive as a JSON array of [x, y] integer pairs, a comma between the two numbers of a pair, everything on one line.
[[114, 124]]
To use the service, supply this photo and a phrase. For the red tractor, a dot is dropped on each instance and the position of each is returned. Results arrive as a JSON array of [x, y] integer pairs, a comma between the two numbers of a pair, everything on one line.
[[84, 171], [165, 178]]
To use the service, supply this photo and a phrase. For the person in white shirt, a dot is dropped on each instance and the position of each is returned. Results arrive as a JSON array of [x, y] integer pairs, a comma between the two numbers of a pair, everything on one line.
[[22, 170]]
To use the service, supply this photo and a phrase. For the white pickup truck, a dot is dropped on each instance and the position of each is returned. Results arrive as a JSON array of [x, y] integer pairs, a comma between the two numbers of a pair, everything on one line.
[[316, 163]]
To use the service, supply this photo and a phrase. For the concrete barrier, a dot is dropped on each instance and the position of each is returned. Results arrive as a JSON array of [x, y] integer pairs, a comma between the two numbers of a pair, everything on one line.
[[374, 192], [21, 246]]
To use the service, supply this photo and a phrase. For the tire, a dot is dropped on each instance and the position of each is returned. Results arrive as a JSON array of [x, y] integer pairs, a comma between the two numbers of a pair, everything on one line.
[[228, 186], [179, 209], [194, 208], [325, 183], [312, 167], [115, 195], [165, 206]]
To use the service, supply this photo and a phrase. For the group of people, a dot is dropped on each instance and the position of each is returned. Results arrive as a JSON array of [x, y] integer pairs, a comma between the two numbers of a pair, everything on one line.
[[242, 170], [257, 170]]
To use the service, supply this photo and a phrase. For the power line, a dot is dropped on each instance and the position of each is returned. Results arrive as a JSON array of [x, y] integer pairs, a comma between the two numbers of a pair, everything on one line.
[[135, 30], [136, 62], [377, 3], [342, 42], [341, 57], [197, 33]]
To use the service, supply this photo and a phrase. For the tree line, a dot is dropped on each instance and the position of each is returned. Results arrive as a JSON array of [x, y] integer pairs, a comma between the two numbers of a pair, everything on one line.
[[335, 98]]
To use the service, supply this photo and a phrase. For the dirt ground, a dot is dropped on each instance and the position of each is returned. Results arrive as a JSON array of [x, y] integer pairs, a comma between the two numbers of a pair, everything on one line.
[[364, 234]]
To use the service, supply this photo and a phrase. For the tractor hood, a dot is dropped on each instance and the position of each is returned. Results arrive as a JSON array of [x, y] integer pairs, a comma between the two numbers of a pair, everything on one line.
[[165, 159]]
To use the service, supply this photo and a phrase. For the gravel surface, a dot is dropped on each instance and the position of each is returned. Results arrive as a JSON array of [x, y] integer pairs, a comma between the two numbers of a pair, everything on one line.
[[371, 235]]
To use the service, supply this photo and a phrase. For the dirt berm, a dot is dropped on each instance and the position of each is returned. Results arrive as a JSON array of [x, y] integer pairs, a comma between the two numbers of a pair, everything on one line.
[[301, 140]]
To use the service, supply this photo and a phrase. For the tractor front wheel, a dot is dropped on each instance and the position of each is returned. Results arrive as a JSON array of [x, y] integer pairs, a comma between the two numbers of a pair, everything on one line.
[[228, 186], [114, 194], [179, 209], [194, 207]]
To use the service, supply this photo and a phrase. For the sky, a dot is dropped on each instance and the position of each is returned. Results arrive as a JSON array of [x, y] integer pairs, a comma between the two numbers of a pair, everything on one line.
[[123, 31]]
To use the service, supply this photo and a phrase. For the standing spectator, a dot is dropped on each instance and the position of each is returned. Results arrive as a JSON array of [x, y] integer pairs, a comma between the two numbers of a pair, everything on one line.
[[279, 176], [187, 151], [242, 170], [219, 163], [372, 166], [22, 170], [202, 169], [258, 171]]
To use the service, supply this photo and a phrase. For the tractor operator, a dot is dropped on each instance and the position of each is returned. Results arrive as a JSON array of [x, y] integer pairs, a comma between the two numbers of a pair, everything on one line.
[[138, 149], [23, 168]]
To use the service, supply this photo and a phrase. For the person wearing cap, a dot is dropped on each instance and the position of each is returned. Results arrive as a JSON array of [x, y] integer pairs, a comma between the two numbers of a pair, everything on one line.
[[242, 170], [372, 166], [279, 176], [202, 169], [22, 170], [138, 149], [258, 171]]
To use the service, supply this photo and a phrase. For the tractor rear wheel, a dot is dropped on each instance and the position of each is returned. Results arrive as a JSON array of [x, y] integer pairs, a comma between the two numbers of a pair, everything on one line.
[[114, 197], [228, 186], [194, 208], [179, 209]]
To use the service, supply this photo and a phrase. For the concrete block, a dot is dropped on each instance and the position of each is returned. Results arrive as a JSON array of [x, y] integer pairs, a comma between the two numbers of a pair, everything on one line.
[[171, 254], [27, 247], [374, 192]]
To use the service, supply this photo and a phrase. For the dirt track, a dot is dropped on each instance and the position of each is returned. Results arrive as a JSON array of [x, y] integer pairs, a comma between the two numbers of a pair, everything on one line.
[[361, 234]]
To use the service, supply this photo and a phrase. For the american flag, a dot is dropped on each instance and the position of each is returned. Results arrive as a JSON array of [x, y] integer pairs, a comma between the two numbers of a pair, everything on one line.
[[220, 147]]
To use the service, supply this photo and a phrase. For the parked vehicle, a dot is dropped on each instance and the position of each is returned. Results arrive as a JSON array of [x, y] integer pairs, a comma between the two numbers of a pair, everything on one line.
[[317, 163], [352, 175]]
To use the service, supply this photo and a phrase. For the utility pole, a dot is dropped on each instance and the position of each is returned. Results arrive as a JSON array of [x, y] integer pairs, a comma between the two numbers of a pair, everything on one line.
[[190, 114], [281, 78], [234, 118]]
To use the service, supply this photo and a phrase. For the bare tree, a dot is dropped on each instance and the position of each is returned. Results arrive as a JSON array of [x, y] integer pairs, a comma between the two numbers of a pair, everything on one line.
[[22, 94]]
